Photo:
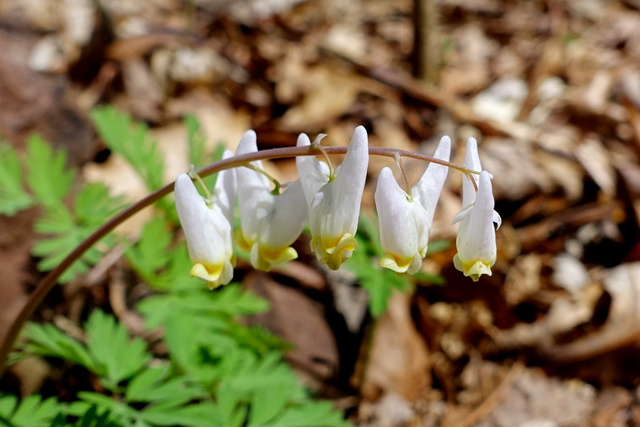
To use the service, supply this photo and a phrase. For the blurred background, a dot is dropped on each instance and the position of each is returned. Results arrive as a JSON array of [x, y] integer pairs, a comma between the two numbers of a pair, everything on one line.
[[551, 90]]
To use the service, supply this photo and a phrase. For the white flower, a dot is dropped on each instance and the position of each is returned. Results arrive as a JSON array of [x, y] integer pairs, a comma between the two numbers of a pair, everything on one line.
[[208, 234], [270, 223], [224, 193], [405, 220], [476, 241], [334, 201]]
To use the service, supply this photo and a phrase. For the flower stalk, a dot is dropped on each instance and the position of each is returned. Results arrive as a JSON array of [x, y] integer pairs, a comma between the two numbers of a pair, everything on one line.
[[47, 283]]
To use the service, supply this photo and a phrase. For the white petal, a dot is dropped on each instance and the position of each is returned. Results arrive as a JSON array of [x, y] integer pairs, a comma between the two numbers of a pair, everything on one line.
[[427, 190], [476, 235], [313, 173], [255, 200], [334, 208], [207, 231], [472, 162], [287, 218], [225, 190], [404, 232], [270, 223], [342, 197]]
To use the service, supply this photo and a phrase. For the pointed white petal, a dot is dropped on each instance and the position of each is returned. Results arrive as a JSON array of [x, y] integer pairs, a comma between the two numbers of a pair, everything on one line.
[[427, 190], [335, 209], [472, 162], [255, 200], [270, 223], [460, 216], [208, 234], [224, 192], [476, 241], [404, 232], [313, 173], [343, 196], [289, 215]]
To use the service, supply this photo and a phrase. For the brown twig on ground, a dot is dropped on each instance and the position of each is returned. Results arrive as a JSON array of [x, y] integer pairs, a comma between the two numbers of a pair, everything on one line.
[[490, 403]]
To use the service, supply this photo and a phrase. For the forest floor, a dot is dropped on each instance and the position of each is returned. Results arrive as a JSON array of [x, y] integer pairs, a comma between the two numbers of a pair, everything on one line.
[[551, 90]]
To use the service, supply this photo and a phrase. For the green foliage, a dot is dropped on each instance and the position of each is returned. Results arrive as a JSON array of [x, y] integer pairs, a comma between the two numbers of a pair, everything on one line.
[[64, 223], [109, 351], [90, 418], [118, 357], [380, 282], [195, 139], [49, 177], [264, 392], [66, 228], [131, 141], [13, 197], [219, 373], [32, 411], [214, 371], [162, 265]]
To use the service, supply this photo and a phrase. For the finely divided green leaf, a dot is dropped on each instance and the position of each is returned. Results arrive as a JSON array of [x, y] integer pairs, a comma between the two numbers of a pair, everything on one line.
[[13, 198], [195, 139], [49, 177], [47, 340], [94, 205], [197, 415], [32, 411], [161, 265], [131, 141], [155, 385], [119, 356], [311, 414], [65, 229]]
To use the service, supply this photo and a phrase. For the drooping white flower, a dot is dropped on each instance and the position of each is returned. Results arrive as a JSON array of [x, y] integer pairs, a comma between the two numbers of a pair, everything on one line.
[[405, 220], [476, 240], [270, 223], [334, 200], [208, 234], [224, 193]]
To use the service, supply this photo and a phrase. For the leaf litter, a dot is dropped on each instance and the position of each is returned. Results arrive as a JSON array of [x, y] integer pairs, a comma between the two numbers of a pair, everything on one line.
[[550, 88]]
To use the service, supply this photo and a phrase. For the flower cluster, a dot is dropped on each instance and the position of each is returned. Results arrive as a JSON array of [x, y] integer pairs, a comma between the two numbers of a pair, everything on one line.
[[329, 201]]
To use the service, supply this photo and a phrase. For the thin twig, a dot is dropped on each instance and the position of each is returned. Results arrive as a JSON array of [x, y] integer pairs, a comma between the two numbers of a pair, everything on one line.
[[490, 403]]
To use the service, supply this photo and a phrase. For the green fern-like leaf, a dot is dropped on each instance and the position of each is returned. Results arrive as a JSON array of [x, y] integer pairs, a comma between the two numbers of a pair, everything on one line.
[[161, 264], [49, 341], [66, 229], [49, 177], [13, 198], [109, 351], [117, 355], [131, 141], [32, 411]]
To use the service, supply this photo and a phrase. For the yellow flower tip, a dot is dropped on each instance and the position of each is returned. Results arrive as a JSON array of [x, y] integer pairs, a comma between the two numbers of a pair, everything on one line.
[[334, 251], [264, 258], [473, 269], [209, 273], [242, 243], [396, 263]]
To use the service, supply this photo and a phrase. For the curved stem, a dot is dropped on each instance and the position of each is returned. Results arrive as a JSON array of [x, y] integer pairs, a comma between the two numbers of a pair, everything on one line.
[[47, 283]]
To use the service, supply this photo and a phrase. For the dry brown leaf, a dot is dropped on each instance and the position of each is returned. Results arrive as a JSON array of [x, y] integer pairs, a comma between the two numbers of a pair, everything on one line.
[[523, 278], [301, 322], [595, 158], [219, 121], [534, 396], [468, 68], [623, 284], [398, 360], [329, 94]]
